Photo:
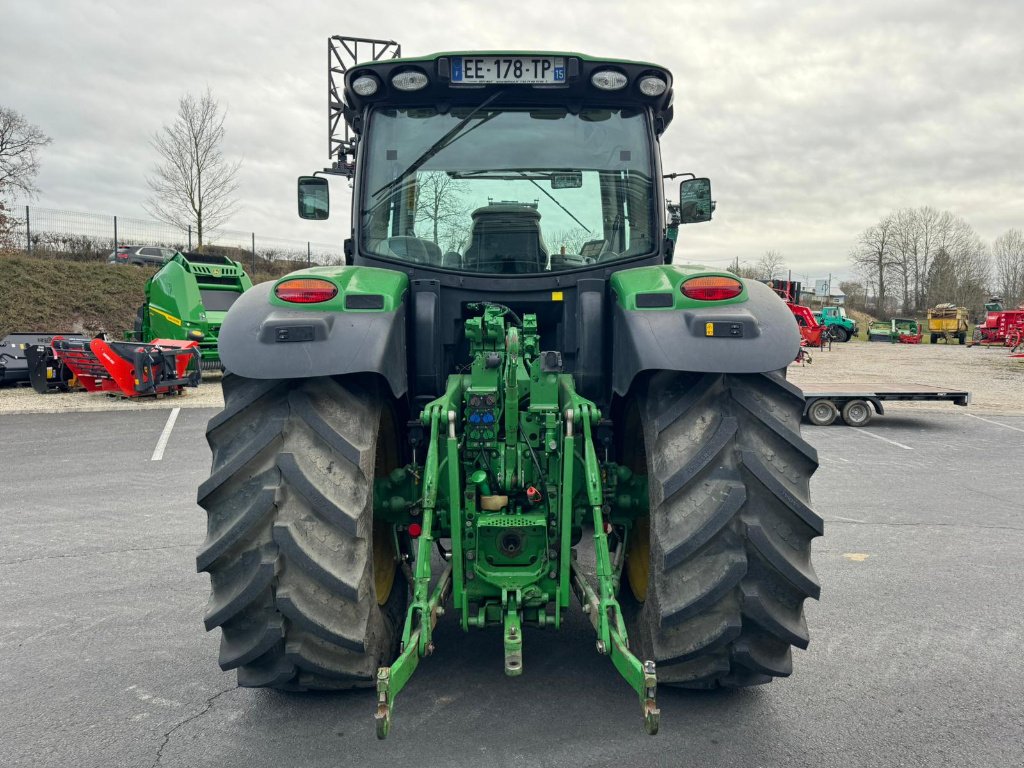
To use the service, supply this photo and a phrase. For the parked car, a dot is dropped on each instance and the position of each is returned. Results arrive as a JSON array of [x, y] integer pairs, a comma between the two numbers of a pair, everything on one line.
[[141, 255]]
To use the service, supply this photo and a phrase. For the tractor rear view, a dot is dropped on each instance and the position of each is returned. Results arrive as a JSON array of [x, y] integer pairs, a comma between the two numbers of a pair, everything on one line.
[[508, 369]]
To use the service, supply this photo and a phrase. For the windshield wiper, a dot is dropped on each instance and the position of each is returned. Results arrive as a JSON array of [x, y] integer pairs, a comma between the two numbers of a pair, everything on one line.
[[445, 141], [538, 186]]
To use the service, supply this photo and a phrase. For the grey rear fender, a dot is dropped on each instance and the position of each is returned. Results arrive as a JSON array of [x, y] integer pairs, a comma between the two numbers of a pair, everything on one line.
[[261, 341], [759, 335]]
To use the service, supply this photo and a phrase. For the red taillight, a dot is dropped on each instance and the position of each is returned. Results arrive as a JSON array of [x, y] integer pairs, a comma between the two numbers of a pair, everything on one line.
[[306, 290], [715, 288]]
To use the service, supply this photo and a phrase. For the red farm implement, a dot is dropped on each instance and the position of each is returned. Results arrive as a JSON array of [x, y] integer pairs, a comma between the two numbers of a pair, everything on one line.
[[812, 333], [131, 369], [1015, 337], [1002, 327]]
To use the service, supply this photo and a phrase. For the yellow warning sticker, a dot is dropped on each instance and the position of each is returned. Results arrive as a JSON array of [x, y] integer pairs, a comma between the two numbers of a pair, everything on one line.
[[556, 296], [709, 329]]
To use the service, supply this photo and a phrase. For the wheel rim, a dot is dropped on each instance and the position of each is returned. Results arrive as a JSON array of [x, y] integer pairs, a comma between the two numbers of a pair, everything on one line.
[[638, 549], [638, 558], [858, 413], [383, 561], [385, 556], [821, 412]]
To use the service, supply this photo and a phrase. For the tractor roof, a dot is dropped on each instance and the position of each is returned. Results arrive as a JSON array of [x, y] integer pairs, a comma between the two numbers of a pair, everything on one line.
[[448, 84]]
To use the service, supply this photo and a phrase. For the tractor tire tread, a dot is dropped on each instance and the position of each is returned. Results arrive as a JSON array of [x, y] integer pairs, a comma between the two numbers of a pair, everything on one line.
[[289, 503], [731, 529]]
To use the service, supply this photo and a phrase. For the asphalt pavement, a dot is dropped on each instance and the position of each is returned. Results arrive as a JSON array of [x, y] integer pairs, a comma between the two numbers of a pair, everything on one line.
[[915, 656]]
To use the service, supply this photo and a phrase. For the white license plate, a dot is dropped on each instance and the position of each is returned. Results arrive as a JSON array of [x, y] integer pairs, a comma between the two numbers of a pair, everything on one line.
[[521, 70]]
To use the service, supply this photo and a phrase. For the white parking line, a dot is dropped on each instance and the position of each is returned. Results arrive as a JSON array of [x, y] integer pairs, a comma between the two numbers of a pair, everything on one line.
[[997, 423], [158, 452], [861, 431]]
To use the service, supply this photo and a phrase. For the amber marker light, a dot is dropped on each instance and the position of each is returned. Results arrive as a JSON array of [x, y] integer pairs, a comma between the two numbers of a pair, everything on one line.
[[714, 288], [306, 291]]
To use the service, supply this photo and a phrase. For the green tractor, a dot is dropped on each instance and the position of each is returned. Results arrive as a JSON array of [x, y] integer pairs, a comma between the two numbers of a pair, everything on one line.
[[508, 402], [837, 324], [188, 299]]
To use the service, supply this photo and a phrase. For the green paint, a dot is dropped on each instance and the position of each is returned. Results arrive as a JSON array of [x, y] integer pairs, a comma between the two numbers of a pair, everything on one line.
[[174, 306], [667, 279], [510, 472], [350, 281]]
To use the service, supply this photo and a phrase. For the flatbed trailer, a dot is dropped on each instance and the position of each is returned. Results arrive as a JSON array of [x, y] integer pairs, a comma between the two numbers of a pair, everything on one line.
[[853, 402]]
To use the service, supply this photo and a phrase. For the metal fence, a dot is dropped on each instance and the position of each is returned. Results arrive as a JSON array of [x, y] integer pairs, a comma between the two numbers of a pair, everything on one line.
[[78, 236]]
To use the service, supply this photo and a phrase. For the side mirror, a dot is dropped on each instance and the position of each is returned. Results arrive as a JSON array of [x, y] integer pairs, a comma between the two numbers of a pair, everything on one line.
[[695, 203], [314, 198]]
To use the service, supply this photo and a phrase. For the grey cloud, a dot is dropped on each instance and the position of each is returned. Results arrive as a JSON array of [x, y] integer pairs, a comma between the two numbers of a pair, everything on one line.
[[812, 119]]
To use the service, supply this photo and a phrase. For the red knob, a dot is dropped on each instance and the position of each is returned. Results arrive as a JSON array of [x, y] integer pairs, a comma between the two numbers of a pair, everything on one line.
[[415, 529]]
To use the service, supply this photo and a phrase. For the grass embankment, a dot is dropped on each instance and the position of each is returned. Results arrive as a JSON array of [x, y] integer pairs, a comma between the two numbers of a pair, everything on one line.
[[53, 295]]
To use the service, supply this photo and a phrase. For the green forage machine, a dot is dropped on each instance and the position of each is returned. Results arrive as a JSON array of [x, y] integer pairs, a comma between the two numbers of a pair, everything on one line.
[[188, 298], [511, 403]]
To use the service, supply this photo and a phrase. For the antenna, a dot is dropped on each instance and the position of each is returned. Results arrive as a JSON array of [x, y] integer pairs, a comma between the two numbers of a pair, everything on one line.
[[343, 53]]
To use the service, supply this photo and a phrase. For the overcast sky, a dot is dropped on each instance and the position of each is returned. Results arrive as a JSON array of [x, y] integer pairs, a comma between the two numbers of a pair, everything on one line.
[[813, 119]]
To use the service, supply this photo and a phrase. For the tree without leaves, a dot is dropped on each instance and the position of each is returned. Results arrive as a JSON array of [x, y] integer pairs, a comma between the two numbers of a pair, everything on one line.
[[855, 294], [744, 271], [439, 205], [572, 240], [20, 142], [770, 265], [1008, 253], [873, 256], [193, 184]]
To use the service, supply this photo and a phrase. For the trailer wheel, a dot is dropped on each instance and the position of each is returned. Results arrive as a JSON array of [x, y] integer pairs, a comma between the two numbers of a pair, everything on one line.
[[934, 338], [821, 413], [857, 413], [718, 602], [962, 337], [303, 583]]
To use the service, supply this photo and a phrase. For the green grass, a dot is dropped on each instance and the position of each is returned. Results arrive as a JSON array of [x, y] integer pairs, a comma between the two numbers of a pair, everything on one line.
[[52, 295]]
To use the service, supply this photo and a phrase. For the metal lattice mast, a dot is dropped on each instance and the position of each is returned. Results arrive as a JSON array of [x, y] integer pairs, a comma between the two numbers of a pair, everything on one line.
[[343, 53]]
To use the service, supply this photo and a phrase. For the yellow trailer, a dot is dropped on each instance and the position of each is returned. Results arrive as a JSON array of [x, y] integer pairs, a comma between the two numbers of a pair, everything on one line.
[[948, 322]]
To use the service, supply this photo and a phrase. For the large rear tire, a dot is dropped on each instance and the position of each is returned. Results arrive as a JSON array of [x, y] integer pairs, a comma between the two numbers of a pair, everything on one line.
[[730, 527], [291, 542]]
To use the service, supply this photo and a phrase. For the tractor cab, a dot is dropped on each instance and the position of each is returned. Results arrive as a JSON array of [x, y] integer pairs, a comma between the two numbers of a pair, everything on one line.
[[542, 170], [506, 164]]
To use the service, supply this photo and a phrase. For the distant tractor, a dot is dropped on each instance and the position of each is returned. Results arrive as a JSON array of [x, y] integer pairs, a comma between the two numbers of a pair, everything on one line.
[[948, 322], [838, 325], [187, 300], [437, 427], [999, 324]]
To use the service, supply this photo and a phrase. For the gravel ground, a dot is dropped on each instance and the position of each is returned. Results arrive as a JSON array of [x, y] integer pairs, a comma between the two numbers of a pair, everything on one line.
[[27, 400], [995, 381]]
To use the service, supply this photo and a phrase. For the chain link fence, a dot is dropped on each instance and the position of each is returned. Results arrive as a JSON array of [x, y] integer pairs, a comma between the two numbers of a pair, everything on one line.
[[79, 236]]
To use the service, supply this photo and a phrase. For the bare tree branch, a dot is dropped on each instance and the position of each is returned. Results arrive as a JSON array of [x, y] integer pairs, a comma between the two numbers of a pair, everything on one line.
[[1008, 252], [770, 265], [873, 256], [19, 163], [439, 204], [193, 184]]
